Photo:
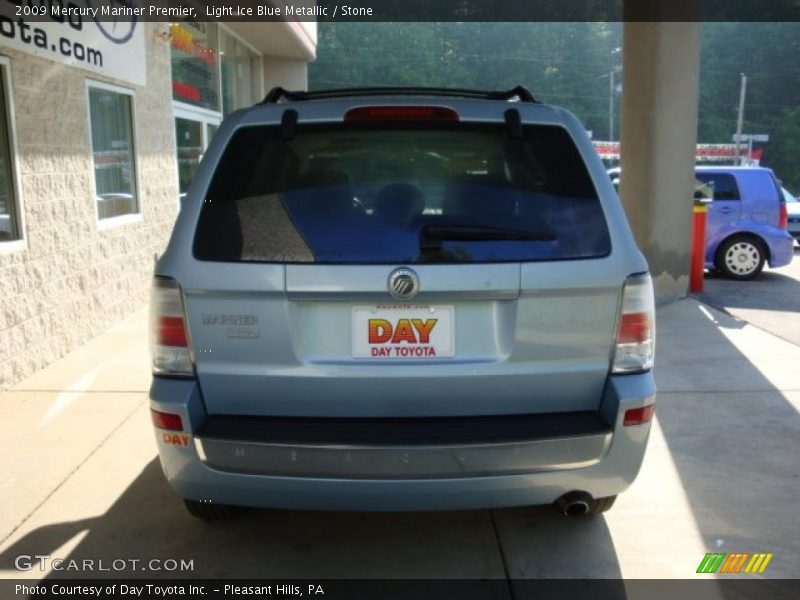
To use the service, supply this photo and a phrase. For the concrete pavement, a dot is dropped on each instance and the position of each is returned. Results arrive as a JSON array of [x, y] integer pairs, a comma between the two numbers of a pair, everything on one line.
[[80, 479]]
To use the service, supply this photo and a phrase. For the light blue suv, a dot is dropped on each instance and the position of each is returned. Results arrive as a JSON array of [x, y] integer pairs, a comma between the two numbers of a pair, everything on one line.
[[401, 299]]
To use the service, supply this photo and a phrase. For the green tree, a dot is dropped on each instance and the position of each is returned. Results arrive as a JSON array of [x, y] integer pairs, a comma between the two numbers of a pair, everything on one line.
[[569, 64]]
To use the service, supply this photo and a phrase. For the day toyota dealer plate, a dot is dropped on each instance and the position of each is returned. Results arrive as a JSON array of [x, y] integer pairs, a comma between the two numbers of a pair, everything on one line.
[[403, 331]]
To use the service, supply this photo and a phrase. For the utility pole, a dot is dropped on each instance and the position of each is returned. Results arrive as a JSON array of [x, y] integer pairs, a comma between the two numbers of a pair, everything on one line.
[[615, 68], [740, 119], [611, 106]]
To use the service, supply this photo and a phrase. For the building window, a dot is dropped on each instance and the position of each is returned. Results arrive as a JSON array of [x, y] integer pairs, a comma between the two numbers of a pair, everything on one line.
[[189, 138], [195, 74], [111, 118], [240, 74], [9, 204]]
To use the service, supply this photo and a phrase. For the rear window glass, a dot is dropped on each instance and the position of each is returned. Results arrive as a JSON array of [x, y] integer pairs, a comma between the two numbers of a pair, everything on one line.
[[438, 194]]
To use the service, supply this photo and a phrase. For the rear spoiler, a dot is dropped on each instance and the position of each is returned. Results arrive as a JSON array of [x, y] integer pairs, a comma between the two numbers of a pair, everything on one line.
[[278, 94]]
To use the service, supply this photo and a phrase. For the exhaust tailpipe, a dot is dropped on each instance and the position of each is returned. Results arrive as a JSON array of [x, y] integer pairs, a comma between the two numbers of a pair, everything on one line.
[[574, 504]]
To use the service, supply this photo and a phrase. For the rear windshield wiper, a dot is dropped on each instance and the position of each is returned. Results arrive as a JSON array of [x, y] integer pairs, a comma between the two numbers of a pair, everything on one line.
[[432, 236]]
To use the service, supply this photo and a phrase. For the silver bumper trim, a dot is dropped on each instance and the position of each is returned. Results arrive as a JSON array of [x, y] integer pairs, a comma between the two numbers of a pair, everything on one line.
[[403, 462]]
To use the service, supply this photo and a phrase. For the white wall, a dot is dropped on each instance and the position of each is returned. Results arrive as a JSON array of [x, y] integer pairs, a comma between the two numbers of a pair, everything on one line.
[[75, 279], [289, 73]]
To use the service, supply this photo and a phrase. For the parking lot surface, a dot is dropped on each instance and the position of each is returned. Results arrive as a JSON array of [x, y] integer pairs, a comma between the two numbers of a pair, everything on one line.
[[772, 301], [80, 479]]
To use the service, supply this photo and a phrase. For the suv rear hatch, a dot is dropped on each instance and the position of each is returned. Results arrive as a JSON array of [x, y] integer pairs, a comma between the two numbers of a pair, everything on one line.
[[302, 234]]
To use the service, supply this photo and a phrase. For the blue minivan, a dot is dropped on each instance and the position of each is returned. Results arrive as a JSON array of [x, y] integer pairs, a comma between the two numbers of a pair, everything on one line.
[[746, 224], [747, 219]]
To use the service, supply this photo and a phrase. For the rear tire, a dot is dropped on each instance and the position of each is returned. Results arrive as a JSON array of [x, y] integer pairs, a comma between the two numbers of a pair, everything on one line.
[[601, 505], [741, 257], [210, 512]]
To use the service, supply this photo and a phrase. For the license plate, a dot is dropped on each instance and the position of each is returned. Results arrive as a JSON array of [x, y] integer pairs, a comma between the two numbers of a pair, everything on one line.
[[403, 332]]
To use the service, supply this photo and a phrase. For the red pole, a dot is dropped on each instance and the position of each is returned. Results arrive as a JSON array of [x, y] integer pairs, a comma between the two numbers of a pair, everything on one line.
[[698, 248]]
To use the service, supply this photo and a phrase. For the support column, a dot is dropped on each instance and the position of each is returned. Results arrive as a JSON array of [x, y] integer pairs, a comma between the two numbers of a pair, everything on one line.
[[661, 74]]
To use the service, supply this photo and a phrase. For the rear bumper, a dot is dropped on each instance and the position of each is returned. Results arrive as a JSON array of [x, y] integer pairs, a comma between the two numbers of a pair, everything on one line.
[[389, 477], [416, 448], [781, 249]]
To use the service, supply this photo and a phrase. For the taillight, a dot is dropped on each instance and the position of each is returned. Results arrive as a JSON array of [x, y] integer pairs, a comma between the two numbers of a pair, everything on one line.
[[168, 421], [637, 416], [171, 331], [636, 330], [365, 114], [783, 217], [169, 340]]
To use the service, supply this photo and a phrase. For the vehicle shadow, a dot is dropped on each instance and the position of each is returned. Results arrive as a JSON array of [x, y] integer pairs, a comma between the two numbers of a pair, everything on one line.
[[771, 291], [149, 522], [731, 432]]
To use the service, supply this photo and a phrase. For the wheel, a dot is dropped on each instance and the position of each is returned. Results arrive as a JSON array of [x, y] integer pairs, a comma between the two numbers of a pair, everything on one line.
[[208, 511], [741, 257], [601, 505]]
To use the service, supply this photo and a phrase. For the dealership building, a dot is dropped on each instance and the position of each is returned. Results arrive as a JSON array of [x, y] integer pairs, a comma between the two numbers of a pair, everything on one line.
[[101, 128]]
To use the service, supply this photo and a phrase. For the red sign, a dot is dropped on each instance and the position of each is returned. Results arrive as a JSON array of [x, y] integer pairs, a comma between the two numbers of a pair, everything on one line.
[[185, 91], [703, 152]]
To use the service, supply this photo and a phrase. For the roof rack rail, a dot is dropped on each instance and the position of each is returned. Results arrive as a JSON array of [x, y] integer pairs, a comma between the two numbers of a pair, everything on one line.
[[277, 94]]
